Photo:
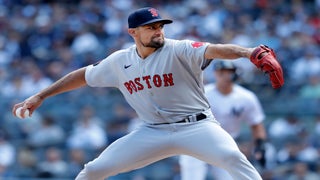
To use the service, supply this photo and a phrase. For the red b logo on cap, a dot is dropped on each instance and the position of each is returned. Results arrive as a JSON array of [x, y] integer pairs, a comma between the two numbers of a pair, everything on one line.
[[153, 12]]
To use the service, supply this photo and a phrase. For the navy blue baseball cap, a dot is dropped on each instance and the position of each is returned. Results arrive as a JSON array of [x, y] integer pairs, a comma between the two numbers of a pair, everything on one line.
[[145, 16], [224, 65]]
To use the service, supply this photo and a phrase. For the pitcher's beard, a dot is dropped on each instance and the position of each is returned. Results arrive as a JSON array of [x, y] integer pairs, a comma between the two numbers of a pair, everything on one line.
[[154, 44]]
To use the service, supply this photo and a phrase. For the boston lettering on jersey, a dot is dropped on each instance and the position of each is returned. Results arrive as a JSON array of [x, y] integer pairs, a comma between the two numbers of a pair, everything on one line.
[[150, 81]]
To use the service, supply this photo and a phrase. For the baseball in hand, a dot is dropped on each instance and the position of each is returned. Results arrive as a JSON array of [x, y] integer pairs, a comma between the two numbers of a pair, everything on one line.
[[25, 115]]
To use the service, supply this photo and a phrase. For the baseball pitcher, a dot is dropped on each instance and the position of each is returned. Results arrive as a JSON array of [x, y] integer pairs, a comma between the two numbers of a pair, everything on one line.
[[162, 80]]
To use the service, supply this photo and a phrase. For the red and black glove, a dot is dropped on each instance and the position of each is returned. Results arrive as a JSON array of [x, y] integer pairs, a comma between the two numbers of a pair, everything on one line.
[[265, 59]]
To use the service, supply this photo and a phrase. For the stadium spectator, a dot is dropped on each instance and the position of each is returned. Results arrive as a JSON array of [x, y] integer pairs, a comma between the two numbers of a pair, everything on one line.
[[7, 156], [88, 132], [48, 134], [301, 170], [53, 165]]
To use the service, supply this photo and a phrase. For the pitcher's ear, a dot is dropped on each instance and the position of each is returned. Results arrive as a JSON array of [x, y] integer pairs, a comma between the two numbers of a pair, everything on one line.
[[132, 31]]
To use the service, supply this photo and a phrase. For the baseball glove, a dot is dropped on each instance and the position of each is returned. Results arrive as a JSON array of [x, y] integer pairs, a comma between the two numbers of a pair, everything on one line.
[[265, 59]]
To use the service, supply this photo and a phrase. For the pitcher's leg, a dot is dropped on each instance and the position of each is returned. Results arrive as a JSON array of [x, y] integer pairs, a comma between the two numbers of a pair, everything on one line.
[[135, 150], [233, 161], [208, 142], [230, 157], [219, 173], [192, 168]]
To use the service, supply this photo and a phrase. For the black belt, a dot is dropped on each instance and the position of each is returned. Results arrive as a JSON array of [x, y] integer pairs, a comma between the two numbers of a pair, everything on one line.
[[198, 117]]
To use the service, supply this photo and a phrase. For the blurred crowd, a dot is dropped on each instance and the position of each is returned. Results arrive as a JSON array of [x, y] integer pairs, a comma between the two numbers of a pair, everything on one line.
[[42, 40]]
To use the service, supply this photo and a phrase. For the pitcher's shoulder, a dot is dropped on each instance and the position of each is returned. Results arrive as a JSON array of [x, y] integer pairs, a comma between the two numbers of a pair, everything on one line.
[[173, 42]]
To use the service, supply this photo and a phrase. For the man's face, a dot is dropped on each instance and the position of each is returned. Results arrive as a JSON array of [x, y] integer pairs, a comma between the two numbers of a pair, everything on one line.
[[151, 35], [224, 75]]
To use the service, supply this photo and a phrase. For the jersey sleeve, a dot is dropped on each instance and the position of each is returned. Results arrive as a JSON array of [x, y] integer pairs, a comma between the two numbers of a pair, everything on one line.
[[102, 74], [192, 52]]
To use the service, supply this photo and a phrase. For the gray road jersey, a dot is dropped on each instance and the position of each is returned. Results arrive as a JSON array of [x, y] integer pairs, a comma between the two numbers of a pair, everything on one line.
[[167, 86]]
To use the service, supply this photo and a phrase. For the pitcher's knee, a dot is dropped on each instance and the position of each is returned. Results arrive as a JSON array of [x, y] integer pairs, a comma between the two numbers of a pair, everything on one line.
[[93, 171]]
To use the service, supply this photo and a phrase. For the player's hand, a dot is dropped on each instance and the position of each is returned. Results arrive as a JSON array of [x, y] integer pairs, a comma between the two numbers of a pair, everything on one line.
[[260, 152], [32, 103]]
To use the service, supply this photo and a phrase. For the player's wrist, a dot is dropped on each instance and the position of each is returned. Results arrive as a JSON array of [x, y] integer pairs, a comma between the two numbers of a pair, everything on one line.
[[250, 52], [259, 142], [39, 96]]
